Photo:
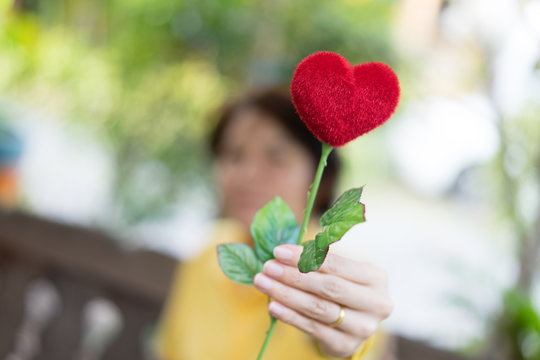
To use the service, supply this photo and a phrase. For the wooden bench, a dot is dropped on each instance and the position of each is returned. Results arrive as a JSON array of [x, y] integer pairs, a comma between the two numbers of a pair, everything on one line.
[[59, 282]]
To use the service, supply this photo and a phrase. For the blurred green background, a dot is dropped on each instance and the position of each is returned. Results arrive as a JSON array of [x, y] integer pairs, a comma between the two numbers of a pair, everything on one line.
[[146, 75]]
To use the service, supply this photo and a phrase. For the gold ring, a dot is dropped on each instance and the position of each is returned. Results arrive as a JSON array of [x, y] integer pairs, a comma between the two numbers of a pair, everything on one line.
[[340, 319]]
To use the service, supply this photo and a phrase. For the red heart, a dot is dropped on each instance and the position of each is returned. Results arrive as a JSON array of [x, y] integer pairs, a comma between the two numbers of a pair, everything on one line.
[[339, 102]]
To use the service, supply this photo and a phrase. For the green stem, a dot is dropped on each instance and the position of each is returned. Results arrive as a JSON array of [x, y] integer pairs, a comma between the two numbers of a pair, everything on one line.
[[326, 150], [268, 335]]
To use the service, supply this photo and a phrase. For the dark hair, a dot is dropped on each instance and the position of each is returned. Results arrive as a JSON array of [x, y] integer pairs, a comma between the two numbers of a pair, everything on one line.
[[279, 106]]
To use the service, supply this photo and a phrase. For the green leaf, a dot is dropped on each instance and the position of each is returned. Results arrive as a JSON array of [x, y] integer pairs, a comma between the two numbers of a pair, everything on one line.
[[273, 225], [346, 212], [239, 262], [312, 257], [347, 206]]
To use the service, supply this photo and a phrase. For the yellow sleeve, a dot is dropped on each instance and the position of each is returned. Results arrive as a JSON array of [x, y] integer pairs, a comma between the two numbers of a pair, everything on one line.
[[359, 354], [362, 349]]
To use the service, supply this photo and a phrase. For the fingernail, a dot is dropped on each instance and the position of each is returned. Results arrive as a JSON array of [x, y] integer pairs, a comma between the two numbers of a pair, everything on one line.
[[273, 269], [275, 308], [262, 282], [283, 253]]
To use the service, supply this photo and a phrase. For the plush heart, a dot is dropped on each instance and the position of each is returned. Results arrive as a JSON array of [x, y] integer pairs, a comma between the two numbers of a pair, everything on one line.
[[339, 102]]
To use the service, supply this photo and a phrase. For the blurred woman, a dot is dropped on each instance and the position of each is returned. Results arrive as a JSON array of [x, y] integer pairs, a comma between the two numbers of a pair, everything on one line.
[[262, 149]]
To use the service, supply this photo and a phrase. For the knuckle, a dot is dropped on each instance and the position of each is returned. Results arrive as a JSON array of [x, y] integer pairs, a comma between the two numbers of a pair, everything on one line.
[[318, 308], [331, 289]]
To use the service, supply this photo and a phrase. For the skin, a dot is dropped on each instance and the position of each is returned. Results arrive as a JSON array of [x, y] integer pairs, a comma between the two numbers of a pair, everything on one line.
[[257, 161]]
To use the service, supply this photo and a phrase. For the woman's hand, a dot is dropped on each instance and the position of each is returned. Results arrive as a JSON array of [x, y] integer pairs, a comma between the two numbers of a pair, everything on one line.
[[312, 301]]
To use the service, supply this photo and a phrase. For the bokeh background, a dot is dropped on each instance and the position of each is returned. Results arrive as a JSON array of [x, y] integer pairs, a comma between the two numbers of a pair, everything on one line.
[[105, 107]]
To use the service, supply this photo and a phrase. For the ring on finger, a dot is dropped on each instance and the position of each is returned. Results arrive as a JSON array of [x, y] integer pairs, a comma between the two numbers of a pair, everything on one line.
[[340, 318]]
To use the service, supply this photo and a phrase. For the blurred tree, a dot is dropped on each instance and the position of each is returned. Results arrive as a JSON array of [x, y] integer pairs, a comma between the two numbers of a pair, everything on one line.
[[513, 333], [516, 334], [148, 74], [520, 322]]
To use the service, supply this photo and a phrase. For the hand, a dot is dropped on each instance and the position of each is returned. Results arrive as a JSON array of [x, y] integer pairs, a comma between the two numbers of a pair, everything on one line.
[[312, 301]]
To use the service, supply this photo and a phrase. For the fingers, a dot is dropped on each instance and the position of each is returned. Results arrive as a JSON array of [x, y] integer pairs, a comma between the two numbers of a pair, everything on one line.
[[359, 272], [312, 307], [329, 287], [335, 342], [309, 305], [314, 300]]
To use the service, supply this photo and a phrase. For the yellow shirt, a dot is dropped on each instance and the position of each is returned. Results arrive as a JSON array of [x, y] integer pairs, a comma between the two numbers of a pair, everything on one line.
[[208, 316]]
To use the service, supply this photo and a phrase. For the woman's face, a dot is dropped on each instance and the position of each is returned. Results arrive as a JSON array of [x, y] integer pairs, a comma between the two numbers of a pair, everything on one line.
[[257, 161]]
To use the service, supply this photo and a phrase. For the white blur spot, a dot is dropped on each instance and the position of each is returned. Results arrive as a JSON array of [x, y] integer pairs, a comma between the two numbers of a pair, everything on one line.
[[433, 140], [65, 173]]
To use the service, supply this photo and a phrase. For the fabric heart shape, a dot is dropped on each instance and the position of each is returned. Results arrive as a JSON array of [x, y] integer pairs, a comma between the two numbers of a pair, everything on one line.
[[339, 102]]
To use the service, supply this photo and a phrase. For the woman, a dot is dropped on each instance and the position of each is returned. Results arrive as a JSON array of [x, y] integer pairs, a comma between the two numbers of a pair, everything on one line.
[[262, 149]]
